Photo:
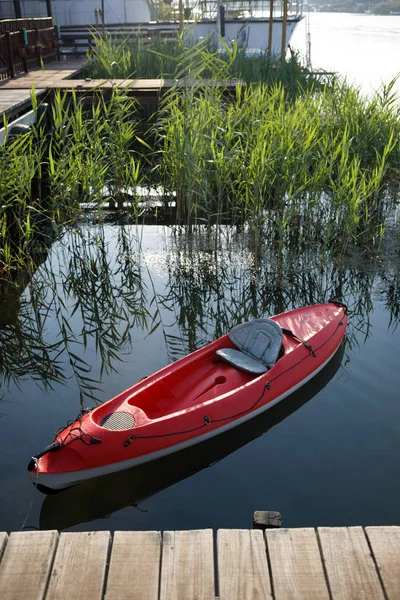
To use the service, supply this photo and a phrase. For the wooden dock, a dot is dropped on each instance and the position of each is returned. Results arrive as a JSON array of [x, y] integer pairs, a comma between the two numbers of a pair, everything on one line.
[[279, 564], [15, 93]]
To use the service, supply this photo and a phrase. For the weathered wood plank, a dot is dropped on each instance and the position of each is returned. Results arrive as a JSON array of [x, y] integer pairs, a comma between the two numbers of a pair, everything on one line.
[[296, 565], [3, 542], [79, 566], [134, 566], [385, 544], [26, 564], [267, 519], [187, 565], [242, 565], [349, 565]]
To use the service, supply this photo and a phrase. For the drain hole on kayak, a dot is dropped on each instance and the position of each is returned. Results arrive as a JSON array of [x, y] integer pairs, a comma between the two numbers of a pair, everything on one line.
[[219, 380], [118, 421]]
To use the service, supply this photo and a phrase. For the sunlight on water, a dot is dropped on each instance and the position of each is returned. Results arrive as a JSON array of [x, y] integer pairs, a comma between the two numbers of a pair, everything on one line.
[[364, 48]]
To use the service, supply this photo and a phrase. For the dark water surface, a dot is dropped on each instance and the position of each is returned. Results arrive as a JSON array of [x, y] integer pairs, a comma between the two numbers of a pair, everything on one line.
[[116, 303]]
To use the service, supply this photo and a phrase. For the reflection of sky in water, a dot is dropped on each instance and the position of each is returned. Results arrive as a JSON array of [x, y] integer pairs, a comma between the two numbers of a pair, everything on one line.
[[319, 465], [365, 48]]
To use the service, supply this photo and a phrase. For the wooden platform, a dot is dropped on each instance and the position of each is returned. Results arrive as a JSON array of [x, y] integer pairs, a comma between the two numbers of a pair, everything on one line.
[[281, 564], [15, 94]]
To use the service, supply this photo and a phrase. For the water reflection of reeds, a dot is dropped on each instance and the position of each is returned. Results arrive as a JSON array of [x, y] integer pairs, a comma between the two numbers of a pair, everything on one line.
[[78, 314]]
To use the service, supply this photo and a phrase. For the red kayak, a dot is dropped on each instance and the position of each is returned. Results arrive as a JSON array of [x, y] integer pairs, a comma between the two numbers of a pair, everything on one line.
[[214, 389]]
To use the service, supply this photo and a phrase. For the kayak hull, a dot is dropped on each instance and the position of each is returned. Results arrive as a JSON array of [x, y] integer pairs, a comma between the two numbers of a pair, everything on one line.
[[153, 430]]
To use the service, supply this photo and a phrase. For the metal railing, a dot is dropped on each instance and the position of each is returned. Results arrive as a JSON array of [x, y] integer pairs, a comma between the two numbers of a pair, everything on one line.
[[26, 44], [238, 9]]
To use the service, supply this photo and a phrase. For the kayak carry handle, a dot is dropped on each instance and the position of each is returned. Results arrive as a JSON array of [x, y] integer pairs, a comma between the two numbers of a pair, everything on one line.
[[339, 303], [296, 337], [50, 448]]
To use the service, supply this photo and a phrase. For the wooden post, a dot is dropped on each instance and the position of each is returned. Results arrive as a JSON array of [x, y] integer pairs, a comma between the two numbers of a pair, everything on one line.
[[48, 6], [17, 9], [102, 16], [180, 16], [24, 43], [38, 51], [58, 38], [284, 27], [10, 55], [271, 24], [267, 519]]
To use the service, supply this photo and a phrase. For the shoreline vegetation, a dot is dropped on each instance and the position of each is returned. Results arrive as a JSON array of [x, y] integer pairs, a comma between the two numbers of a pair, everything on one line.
[[387, 7], [299, 161]]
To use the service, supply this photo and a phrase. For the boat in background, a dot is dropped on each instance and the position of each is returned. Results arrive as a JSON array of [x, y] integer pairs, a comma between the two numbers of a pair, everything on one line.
[[255, 24], [214, 389]]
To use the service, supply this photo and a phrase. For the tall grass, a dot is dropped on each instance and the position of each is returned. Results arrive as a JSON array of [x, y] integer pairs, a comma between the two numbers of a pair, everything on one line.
[[89, 157], [307, 164], [319, 162], [137, 57]]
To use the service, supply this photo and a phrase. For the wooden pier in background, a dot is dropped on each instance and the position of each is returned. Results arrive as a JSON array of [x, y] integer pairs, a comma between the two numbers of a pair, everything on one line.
[[15, 94], [276, 564]]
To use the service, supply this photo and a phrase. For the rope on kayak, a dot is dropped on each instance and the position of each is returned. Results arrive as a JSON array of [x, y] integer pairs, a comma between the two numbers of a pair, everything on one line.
[[75, 432], [36, 464], [208, 421]]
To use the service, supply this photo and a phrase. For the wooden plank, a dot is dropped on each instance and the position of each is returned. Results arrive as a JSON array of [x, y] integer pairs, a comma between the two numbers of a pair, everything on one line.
[[14, 101], [134, 566], [3, 542], [385, 544], [242, 565], [79, 566], [349, 565], [296, 565], [26, 564], [187, 565]]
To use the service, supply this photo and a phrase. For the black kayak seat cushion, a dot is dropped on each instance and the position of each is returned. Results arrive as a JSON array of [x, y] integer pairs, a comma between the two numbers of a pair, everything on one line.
[[258, 344]]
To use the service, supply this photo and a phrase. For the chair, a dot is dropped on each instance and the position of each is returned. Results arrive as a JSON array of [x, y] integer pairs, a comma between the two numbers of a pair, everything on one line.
[[258, 343]]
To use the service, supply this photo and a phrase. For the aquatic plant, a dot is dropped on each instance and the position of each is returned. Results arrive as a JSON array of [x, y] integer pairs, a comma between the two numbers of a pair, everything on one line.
[[316, 166], [88, 157], [311, 167]]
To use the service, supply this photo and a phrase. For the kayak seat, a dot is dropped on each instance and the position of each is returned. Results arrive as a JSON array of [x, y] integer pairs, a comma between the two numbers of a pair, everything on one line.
[[258, 344]]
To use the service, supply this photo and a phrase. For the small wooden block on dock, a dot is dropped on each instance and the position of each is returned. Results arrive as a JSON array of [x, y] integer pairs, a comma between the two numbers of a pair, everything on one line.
[[267, 519]]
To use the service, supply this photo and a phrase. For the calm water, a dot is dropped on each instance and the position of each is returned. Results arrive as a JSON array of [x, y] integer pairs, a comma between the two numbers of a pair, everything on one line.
[[117, 303], [328, 455], [364, 48]]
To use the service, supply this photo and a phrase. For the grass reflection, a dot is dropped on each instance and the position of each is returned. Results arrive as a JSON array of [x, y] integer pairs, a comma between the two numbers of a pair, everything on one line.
[[84, 296], [72, 321]]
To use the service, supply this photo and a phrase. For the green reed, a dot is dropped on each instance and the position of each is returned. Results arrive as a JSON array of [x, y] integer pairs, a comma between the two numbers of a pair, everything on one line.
[[317, 163], [90, 156], [297, 162]]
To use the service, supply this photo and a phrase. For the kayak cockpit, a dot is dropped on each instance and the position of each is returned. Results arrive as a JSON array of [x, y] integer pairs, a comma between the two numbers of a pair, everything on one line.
[[203, 376], [257, 346]]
